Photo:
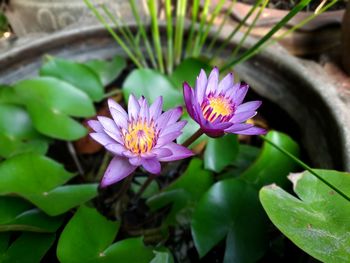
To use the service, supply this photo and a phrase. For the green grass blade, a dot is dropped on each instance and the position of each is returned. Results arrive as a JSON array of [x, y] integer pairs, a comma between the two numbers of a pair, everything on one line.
[[126, 33], [305, 166], [179, 29], [155, 33], [256, 48], [217, 10], [195, 49], [218, 31], [238, 47], [169, 28], [237, 28], [143, 32], [195, 8], [114, 35]]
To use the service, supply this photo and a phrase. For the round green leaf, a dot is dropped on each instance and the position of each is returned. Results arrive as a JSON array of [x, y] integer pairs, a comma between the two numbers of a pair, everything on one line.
[[38, 179], [230, 209], [152, 84], [18, 215], [86, 236], [188, 71], [29, 247], [318, 221], [8, 95], [107, 70], [220, 152], [50, 102], [17, 134], [272, 166], [77, 74]]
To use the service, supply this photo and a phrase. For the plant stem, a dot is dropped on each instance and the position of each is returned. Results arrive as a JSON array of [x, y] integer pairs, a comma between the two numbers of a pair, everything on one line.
[[73, 153], [103, 166], [144, 186], [112, 93], [179, 29], [169, 29], [194, 137], [306, 167]]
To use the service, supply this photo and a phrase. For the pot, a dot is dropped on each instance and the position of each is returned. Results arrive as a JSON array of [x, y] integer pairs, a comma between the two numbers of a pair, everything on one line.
[[37, 16], [312, 102]]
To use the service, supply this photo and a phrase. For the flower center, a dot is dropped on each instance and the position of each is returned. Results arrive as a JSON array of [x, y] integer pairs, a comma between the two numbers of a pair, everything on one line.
[[215, 107], [140, 137]]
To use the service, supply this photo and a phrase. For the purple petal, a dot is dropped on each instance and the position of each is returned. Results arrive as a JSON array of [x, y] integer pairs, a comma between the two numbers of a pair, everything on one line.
[[231, 92], [114, 105], [116, 148], [115, 136], [238, 127], [248, 106], [102, 138], [241, 92], [162, 152], [177, 126], [119, 118], [243, 116], [133, 107], [169, 117], [156, 108], [213, 81], [151, 165], [95, 125], [148, 155], [253, 131], [201, 86], [118, 169], [188, 96], [136, 161], [226, 83], [144, 110], [178, 152], [169, 137], [108, 124]]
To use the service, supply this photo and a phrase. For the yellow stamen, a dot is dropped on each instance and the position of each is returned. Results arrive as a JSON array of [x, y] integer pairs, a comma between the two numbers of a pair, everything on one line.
[[140, 137], [217, 106]]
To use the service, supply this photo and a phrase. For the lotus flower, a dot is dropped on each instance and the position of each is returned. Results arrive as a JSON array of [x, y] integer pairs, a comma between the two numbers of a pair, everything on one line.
[[143, 137], [217, 106]]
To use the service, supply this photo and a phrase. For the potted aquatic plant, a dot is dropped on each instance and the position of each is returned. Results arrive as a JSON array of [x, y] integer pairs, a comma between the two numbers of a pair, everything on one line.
[[155, 158]]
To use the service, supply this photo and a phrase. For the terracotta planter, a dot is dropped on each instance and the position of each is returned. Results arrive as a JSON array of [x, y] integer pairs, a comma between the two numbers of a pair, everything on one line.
[[37, 16], [318, 35], [311, 102], [346, 40]]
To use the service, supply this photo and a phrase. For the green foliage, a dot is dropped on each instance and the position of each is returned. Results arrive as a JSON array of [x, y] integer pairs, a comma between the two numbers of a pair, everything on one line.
[[162, 257], [272, 166], [4, 26], [220, 152], [17, 134], [183, 193], [190, 128], [79, 75], [230, 209], [151, 190], [151, 84], [19, 215], [107, 71], [318, 219], [88, 236], [39, 179], [50, 102], [27, 248]]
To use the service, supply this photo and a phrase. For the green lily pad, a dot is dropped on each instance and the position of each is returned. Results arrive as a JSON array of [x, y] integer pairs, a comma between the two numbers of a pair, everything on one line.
[[318, 219], [9, 95], [183, 193], [272, 166], [28, 247], [188, 71], [230, 209], [88, 237], [39, 179], [220, 152], [17, 134], [51, 102], [107, 70], [18, 215], [152, 84], [79, 75], [163, 256]]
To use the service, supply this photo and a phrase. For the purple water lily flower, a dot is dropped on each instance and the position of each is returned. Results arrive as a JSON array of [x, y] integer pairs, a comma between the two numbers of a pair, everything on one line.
[[143, 137], [217, 106]]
